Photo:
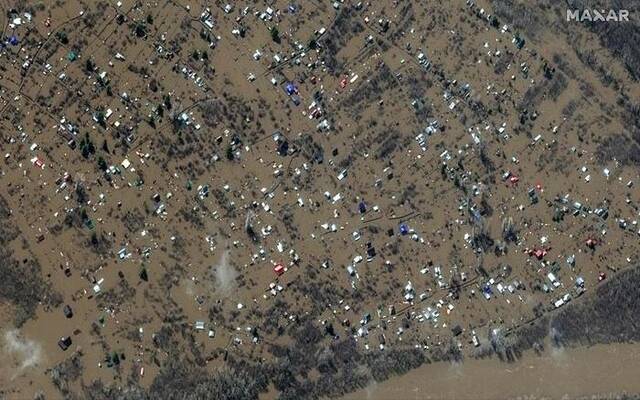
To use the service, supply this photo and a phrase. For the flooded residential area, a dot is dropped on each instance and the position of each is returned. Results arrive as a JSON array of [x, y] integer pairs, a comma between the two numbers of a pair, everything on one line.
[[321, 199]]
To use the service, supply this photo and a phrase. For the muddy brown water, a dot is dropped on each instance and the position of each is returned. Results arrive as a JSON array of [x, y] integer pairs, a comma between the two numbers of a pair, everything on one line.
[[564, 373]]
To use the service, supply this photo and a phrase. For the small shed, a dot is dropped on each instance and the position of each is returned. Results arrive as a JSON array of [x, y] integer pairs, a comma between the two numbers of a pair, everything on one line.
[[279, 269], [404, 229], [65, 343], [68, 312]]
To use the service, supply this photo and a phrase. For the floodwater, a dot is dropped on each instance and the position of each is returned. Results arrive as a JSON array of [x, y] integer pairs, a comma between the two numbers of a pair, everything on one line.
[[564, 373]]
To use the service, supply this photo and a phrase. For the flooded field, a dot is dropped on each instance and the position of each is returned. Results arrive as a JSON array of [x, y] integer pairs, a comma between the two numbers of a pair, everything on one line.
[[559, 373]]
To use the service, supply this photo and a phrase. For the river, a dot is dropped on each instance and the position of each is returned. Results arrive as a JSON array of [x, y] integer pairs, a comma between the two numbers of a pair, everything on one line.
[[558, 373]]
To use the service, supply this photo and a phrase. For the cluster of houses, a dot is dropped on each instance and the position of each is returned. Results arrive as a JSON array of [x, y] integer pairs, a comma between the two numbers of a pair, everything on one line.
[[431, 295]]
